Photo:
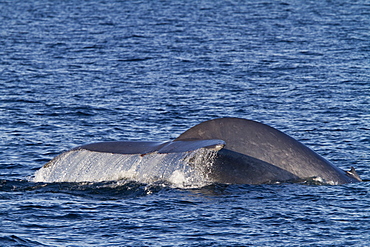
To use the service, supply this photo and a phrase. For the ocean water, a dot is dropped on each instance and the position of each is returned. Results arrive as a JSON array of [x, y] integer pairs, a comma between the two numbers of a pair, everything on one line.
[[76, 72]]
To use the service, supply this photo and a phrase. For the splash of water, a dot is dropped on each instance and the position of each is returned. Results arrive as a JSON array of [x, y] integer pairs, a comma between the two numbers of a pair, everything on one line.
[[186, 169]]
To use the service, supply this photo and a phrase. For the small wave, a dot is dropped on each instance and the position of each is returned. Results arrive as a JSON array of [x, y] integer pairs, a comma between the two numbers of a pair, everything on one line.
[[109, 190], [312, 181], [13, 240]]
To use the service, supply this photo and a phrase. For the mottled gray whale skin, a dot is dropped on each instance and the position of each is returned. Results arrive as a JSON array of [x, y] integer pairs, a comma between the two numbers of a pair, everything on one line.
[[243, 152], [257, 153]]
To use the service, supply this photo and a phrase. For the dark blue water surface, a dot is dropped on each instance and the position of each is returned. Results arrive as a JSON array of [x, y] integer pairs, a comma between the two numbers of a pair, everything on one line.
[[75, 72]]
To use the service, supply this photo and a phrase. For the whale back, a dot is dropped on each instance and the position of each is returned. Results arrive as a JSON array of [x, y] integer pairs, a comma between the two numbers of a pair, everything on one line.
[[268, 144]]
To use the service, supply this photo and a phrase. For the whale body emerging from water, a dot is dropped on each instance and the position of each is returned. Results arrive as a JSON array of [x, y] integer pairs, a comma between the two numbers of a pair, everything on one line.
[[224, 150]]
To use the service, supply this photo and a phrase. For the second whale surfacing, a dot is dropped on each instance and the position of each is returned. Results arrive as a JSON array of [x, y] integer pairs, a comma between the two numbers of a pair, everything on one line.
[[224, 150]]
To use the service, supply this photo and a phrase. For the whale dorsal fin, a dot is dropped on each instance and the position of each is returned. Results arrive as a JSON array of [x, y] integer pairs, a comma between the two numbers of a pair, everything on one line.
[[353, 173]]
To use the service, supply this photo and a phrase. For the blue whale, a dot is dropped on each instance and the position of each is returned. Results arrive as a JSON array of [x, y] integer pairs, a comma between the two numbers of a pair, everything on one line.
[[224, 150], [256, 153]]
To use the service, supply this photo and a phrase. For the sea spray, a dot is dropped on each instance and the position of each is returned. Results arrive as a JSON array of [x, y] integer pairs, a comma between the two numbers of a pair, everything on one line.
[[194, 168]]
